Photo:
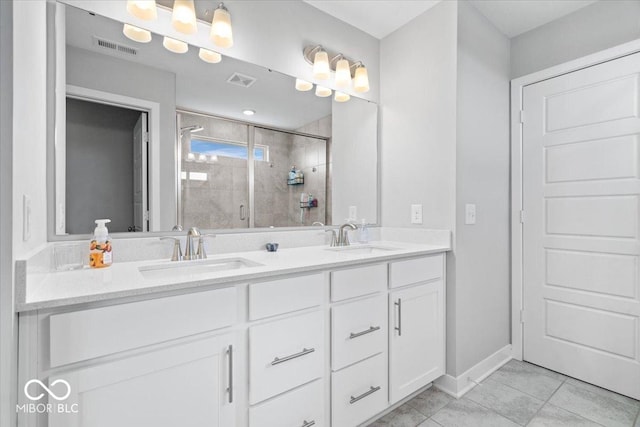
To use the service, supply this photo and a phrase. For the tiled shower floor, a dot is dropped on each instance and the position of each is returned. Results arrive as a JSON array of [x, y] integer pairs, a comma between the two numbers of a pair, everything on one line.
[[519, 394]]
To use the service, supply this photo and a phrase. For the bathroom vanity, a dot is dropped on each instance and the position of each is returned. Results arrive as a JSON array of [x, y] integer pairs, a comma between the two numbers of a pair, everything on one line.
[[310, 336]]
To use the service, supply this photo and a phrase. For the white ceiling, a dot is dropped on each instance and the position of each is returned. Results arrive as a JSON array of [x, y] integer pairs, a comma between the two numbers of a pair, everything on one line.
[[380, 18]]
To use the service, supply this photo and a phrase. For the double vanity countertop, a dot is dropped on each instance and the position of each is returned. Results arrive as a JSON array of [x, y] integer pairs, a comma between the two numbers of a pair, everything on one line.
[[42, 290]]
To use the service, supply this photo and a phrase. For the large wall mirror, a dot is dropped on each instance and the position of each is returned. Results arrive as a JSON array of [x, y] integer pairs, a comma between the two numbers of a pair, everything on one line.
[[153, 139]]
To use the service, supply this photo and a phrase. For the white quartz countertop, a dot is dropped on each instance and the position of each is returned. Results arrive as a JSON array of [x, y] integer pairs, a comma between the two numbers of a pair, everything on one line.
[[125, 280]]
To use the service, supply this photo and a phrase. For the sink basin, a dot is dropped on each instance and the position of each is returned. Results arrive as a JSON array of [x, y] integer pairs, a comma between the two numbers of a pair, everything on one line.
[[188, 268], [362, 249]]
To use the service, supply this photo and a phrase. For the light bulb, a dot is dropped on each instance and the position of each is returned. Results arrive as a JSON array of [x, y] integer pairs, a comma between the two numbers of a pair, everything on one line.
[[221, 32], [248, 112], [321, 70], [303, 85], [322, 91], [209, 56], [361, 80], [143, 9], [136, 34], [175, 46], [343, 73], [191, 157], [183, 18], [341, 97]]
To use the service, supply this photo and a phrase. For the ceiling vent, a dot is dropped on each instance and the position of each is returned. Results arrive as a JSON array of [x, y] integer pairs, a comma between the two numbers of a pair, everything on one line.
[[113, 46], [241, 80]]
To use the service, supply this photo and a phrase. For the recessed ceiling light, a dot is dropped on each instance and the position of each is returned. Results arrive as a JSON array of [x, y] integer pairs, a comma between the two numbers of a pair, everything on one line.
[[248, 112]]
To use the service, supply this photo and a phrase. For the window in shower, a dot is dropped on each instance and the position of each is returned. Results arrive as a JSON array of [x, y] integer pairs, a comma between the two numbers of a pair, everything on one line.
[[211, 147]]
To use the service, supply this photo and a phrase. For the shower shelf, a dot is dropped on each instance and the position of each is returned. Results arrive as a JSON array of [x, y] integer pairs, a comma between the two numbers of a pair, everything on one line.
[[305, 205], [295, 181]]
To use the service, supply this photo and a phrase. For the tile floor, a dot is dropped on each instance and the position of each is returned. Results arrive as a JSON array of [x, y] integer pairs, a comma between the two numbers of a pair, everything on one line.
[[519, 394]]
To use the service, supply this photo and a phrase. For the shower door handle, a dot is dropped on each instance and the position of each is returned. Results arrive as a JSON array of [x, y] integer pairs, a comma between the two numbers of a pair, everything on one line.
[[243, 215]]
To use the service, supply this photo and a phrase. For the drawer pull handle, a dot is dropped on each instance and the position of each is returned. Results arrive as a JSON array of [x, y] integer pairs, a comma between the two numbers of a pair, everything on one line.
[[368, 331], [304, 352], [308, 423], [399, 327], [230, 388], [363, 395]]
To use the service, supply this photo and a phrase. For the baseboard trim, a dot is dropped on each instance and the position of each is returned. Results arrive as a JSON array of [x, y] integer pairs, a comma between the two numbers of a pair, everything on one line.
[[458, 386]]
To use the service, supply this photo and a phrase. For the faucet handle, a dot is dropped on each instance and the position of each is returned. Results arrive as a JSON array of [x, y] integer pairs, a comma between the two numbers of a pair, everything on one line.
[[334, 237], [201, 253], [177, 249]]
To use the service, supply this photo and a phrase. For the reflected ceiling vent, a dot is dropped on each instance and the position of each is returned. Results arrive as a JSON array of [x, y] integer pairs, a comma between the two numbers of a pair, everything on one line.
[[241, 80], [113, 46]]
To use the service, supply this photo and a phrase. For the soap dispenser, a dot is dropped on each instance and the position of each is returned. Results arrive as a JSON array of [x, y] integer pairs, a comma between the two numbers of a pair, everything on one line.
[[363, 236], [100, 250]]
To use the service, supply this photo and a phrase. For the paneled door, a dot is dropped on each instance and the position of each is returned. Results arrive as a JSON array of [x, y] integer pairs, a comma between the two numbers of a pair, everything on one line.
[[581, 188]]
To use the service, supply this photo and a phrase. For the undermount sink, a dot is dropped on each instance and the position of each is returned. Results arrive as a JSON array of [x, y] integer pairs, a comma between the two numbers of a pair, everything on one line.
[[186, 268], [362, 249]]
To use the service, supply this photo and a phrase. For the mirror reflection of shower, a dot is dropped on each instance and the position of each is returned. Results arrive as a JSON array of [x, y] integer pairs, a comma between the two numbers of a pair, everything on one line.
[[188, 130]]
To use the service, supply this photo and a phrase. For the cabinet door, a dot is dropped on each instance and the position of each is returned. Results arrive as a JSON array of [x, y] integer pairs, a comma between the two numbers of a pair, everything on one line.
[[416, 334], [189, 384]]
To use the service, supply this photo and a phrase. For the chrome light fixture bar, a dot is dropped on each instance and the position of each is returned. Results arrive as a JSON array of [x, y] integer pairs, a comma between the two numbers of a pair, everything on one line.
[[345, 68]]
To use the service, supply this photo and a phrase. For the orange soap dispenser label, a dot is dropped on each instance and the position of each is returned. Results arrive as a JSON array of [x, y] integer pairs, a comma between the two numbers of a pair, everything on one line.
[[100, 254]]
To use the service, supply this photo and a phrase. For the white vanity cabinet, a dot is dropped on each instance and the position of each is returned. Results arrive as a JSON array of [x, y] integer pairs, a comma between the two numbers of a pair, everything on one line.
[[416, 324]]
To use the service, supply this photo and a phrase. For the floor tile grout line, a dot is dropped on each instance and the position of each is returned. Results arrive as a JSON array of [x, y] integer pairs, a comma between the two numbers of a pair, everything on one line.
[[521, 391], [546, 401]]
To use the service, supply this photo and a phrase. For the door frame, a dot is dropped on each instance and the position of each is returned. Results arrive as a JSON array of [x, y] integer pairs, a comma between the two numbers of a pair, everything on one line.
[[517, 241]]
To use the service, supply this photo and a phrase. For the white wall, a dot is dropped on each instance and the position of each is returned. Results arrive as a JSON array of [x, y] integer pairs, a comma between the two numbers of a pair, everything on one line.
[[482, 305], [598, 26], [354, 152], [417, 101]]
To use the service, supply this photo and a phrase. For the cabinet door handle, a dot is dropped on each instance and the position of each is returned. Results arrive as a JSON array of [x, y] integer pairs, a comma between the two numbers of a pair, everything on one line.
[[230, 388], [399, 327], [353, 335], [308, 423], [304, 352], [363, 395]]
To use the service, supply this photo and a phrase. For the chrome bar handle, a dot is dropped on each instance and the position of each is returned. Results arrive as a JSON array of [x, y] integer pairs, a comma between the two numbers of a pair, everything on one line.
[[399, 327], [177, 249], [230, 388], [308, 423], [363, 395], [242, 214], [304, 352], [353, 335]]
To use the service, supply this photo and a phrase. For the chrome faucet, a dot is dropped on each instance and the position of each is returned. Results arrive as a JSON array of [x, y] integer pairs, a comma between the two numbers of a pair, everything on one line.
[[343, 236], [334, 237], [177, 250], [189, 250]]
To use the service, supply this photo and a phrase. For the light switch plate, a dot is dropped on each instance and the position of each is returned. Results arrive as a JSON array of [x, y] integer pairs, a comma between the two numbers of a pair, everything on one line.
[[353, 213], [469, 214], [416, 214]]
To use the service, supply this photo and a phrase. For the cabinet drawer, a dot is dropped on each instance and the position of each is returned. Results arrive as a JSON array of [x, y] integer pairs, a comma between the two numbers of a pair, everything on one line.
[[301, 407], [285, 295], [285, 354], [356, 282], [417, 270], [358, 330], [85, 334], [359, 392]]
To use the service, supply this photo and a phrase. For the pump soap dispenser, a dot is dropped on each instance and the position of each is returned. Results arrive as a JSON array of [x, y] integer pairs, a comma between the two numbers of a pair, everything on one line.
[[100, 250]]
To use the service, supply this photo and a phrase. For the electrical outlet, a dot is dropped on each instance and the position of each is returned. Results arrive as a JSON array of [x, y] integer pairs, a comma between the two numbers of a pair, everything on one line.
[[469, 214], [353, 213], [416, 214], [26, 217]]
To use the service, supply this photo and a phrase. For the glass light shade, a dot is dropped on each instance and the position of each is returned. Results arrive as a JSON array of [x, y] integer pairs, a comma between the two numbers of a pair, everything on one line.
[[175, 46], [183, 18], [136, 34], [343, 73], [221, 32], [191, 157], [361, 80], [322, 91], [143, 9], [213, 158], [202, 158], [341, 97], [209, 56], [303, 85], [321, 70]]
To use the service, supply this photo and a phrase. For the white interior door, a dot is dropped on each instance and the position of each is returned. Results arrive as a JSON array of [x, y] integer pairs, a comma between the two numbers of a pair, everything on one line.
[[581, 188], [140, 219]]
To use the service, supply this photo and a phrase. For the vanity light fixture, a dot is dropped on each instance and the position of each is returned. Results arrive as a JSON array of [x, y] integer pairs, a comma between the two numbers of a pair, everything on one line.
[[175, 46], [341, 97], [248, 112], [343, 73], [322, 91], [347, 70], [191, 157], [183, 18], [143, 9], [361, 79], [202, 158], [136, 34], [221, 32], [209, 56], [321, 69], [303, 85]]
